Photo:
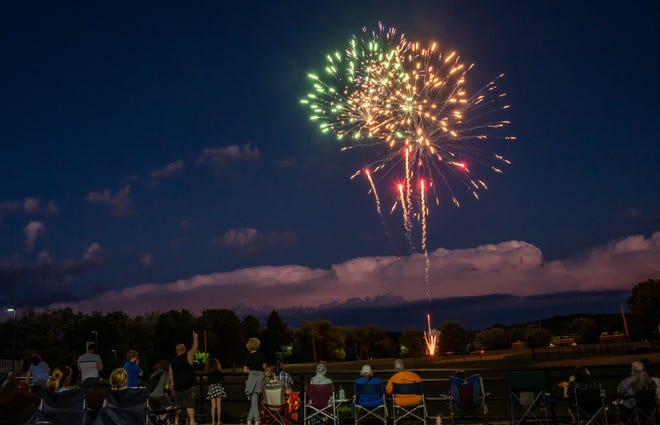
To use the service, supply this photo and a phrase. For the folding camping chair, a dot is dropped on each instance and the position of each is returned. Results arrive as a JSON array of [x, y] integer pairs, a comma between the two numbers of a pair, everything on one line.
[[273, 406], [319, 404], [527, 396], [467, 397], [60, 408], [646, 407], [590, 406], [411, 411], [128, 406], [371, 407]]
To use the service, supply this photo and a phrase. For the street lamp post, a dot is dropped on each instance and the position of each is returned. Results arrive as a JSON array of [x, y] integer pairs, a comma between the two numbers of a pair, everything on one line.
[[96, 337], [13, 354]]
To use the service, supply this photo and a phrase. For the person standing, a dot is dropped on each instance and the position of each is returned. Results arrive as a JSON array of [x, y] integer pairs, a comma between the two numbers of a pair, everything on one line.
[[254, 364], [90, 365], [38, 373], [182, 378], [133, 369], [216, 392]]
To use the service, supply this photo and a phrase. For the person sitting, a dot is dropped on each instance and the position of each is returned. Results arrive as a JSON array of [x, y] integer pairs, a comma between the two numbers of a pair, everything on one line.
[[118, 379], [580, 380], [158, 385], [282, 375], [9, 385], [60, 380], [653, 373], [638, 380], [402, 376], [366, 377], [320, 378]]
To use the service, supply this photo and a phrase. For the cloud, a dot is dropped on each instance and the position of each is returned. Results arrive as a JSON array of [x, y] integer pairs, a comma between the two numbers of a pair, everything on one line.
[[250, 241], [218, 158], [167, 170], [47, 279], [119, 202], [32, 231], [30, 205], [512, 267], [146, 260]]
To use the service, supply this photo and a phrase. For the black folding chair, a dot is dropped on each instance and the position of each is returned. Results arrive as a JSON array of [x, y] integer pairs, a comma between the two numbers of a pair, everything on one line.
[[60, 408], [646, 407], [590, 405], [527, 397], [415, 411]]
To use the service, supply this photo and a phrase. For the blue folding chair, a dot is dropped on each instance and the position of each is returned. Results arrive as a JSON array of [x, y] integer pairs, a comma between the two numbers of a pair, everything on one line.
[[371, 406]]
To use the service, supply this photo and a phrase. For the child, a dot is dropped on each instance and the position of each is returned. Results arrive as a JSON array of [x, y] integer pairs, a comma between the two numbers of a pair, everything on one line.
[[216, 391]]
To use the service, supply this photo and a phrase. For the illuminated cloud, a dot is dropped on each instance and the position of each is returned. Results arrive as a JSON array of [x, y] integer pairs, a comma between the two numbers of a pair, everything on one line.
[[119, 202], [146, 260], [249, 240], [512, 267], [167, 170], [218, 158], [32, 231], [30, 205]]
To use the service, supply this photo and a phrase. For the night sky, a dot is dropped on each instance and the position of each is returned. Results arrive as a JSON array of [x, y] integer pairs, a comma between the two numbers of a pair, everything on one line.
[[155, 155]]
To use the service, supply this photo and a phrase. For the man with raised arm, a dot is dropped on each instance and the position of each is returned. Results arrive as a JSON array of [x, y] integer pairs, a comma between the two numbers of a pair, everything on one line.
[[182, 379]]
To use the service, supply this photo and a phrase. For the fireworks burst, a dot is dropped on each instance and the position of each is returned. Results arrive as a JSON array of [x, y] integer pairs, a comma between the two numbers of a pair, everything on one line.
[[410, 103]]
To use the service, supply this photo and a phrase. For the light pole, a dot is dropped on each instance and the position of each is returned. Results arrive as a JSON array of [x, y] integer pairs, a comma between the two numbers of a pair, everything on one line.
[[96, 337], [13, 309]]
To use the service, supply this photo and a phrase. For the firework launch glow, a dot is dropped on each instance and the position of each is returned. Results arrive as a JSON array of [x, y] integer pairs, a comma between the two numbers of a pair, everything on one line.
[[431, 337]]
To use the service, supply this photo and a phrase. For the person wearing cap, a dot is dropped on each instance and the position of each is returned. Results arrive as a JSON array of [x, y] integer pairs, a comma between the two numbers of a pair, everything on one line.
[[320, 378], [402, 376], [367, 377]]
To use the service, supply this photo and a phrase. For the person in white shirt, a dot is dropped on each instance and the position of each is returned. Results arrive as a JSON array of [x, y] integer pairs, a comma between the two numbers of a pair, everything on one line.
[[89, 365]]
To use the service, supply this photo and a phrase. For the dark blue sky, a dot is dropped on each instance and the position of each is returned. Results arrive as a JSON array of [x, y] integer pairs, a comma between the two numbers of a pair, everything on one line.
[[155, 141]]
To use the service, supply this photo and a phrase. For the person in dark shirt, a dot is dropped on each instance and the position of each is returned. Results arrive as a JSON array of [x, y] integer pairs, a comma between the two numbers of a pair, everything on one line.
[[216, 392], [182, 379], [254, 364]]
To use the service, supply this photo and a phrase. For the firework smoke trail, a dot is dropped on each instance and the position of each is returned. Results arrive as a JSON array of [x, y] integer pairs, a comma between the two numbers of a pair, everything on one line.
[[427, 265], [373, 189]]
